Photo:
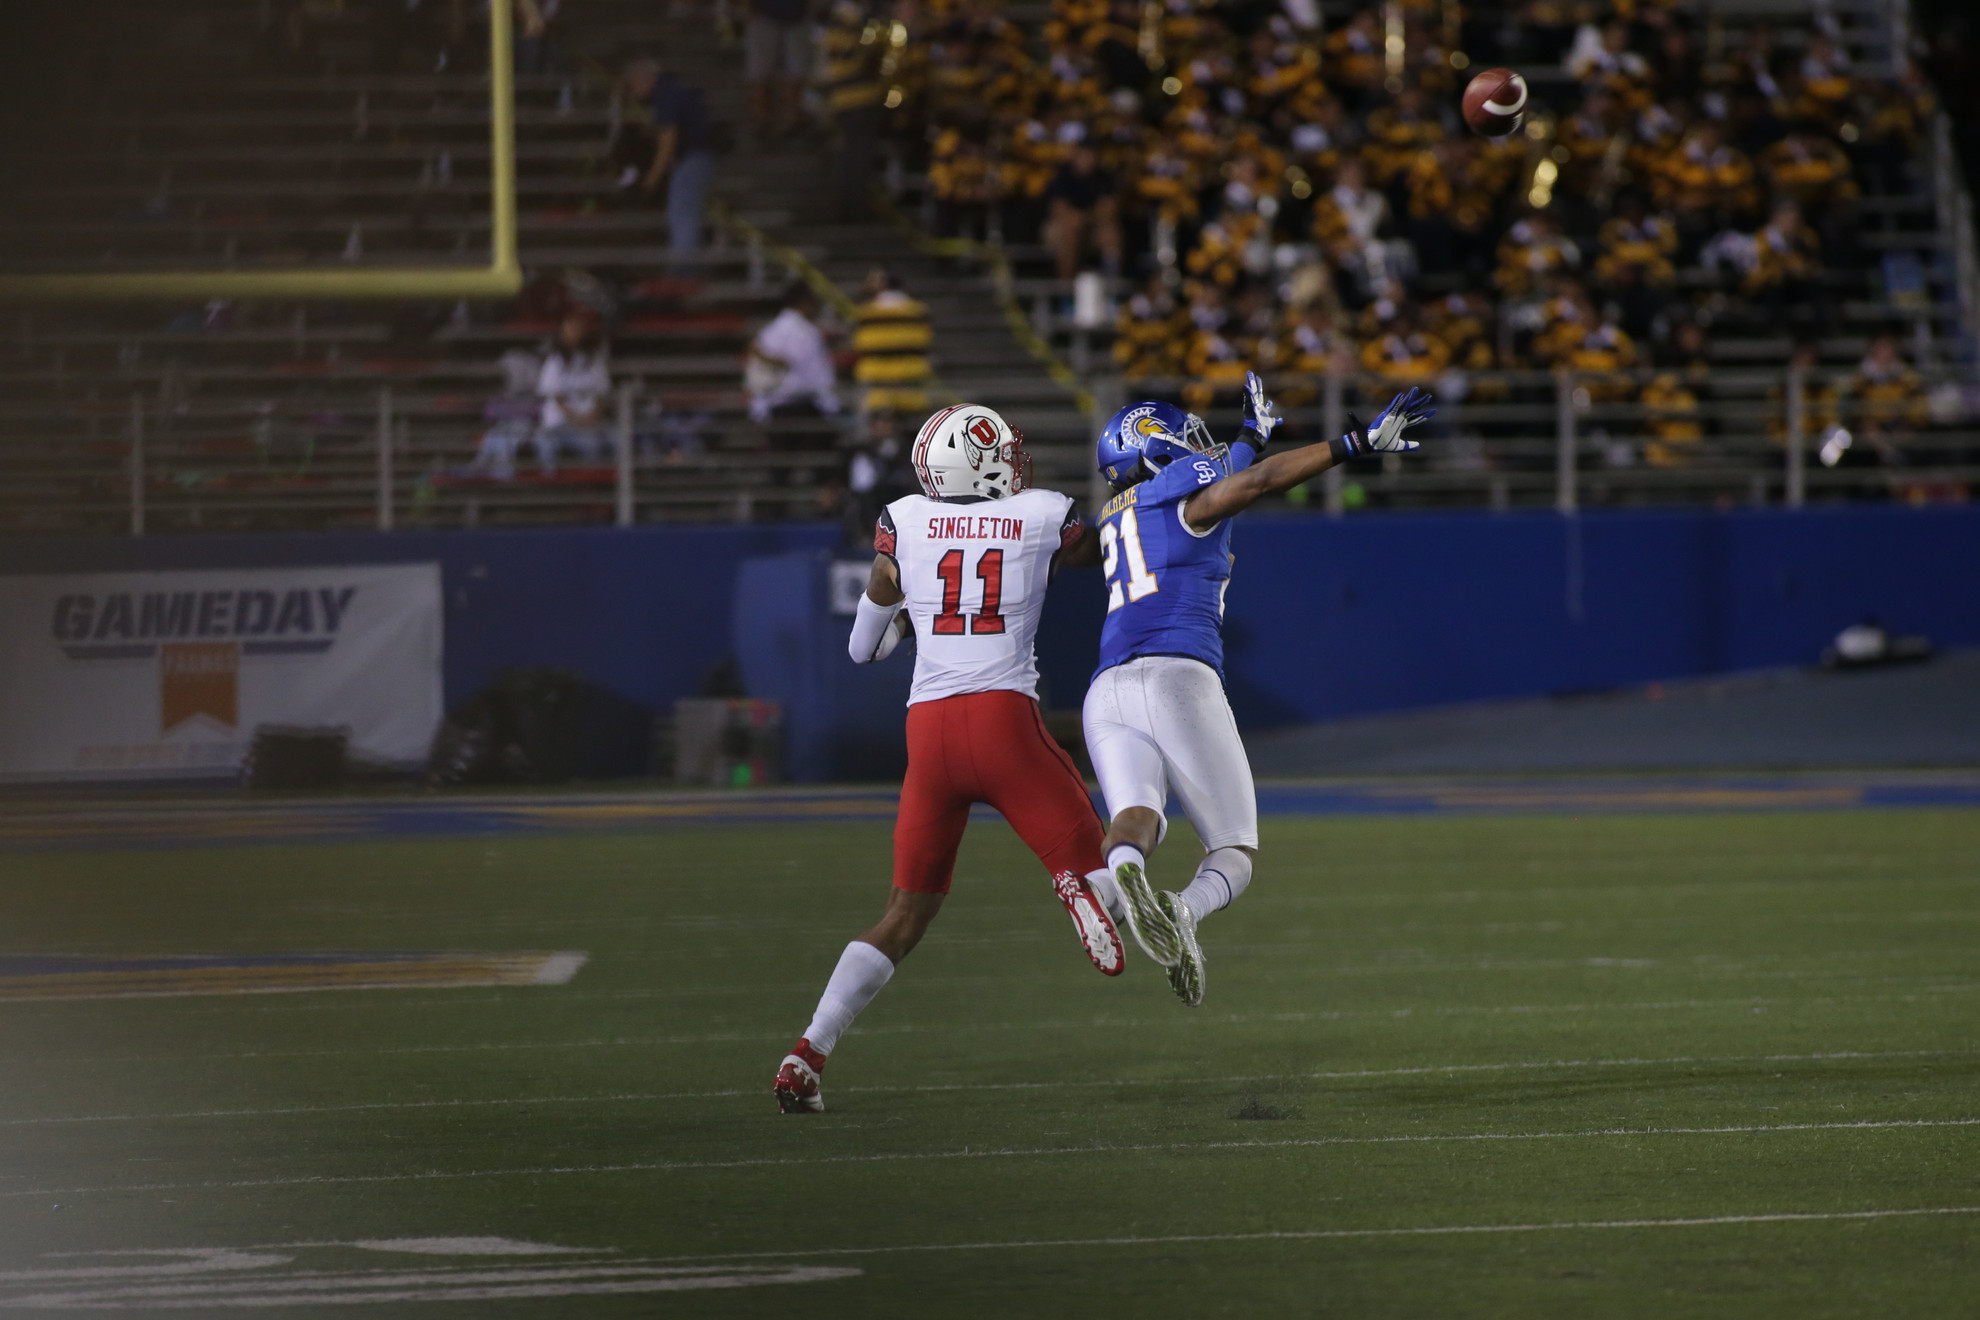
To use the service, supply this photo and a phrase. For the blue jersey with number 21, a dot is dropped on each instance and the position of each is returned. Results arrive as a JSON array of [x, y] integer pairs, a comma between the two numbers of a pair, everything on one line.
[[1165, 583]]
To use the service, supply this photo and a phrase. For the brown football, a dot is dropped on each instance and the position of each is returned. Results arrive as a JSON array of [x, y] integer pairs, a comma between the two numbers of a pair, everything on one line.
[[1495, 102]]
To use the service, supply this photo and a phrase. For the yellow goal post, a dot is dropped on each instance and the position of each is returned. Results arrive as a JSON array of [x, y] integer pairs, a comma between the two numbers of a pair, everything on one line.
[[500, 277]]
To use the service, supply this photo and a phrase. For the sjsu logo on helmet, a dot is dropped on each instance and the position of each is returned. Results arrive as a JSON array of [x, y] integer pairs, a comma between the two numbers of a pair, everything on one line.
[[1143, 438]]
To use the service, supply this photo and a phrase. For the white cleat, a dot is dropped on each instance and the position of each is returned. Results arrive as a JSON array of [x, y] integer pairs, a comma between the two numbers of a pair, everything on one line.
[[1091, 923], [1186, 977], [1154, 928], [798, 1087]]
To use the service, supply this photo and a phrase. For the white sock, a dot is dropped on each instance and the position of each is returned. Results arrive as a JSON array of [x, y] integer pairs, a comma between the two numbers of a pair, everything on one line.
[[1221, 876], [1125, 852], [862, 970], [1109, 893]]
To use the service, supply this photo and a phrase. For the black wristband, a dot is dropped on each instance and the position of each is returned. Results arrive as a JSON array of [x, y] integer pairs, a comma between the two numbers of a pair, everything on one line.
[[1338, 447]]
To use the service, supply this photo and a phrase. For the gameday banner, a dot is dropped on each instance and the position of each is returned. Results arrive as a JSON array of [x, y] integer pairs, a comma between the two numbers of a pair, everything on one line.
[[120, 675]]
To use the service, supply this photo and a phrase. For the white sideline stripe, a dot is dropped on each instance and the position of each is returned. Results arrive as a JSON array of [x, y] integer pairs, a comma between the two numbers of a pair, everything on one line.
[[1312, 1234], [559, 968], [1088, 1024], [406, 999], [316, 1287], [667, 1166], [1353, 1074]]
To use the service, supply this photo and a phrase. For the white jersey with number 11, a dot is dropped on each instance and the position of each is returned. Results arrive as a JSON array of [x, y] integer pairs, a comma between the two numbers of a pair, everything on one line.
[[975, 576]]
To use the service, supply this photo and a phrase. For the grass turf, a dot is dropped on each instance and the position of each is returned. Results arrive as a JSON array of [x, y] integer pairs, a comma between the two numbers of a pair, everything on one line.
[[1437, 1022]]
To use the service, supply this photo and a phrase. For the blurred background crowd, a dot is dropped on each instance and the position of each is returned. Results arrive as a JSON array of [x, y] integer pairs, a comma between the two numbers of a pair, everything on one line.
[[761, 237]]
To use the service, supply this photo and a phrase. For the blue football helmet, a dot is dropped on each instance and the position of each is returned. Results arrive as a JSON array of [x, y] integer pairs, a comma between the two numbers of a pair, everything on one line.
[[1143, 438]]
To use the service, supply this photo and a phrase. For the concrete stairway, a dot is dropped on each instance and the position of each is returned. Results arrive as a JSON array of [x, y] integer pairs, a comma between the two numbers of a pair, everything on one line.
[[976, 355]]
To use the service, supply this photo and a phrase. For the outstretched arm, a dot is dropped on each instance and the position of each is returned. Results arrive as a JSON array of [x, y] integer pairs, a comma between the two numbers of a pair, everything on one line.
[[1239, 491], [1282, 471]]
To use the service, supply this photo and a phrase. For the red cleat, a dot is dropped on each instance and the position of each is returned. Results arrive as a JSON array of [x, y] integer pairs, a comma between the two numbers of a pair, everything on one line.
[[1091, 923], [797, 1087]]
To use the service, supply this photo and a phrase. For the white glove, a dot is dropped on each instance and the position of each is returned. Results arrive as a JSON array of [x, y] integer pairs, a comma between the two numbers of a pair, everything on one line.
[[1259, 414], [1386, 435]]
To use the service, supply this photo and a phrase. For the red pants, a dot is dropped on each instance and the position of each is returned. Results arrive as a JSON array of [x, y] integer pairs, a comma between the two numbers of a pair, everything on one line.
[[988, 747]]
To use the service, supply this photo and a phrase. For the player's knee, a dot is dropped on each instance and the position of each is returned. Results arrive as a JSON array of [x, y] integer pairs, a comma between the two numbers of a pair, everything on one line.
[[1231, 865]]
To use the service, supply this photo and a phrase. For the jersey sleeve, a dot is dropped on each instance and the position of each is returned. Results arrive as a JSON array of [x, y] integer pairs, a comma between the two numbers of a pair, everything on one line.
[[1071, 529], [1180, 480], [885, 538]]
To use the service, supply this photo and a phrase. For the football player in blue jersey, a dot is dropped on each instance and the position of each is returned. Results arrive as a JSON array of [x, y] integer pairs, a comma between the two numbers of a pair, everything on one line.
[[1156, 717]]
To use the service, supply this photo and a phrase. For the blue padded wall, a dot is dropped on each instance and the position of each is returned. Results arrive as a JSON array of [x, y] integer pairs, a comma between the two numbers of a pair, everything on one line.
[[1326, 617]]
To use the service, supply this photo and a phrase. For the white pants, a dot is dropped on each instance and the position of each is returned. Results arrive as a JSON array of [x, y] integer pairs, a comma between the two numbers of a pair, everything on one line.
[[1161, 722]]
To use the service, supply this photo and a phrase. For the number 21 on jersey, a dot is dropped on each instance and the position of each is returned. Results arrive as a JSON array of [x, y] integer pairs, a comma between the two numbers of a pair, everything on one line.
[[1120, 539]]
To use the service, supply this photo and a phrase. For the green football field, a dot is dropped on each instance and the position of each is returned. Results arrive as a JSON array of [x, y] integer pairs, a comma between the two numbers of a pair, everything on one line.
[[1449, 1065]]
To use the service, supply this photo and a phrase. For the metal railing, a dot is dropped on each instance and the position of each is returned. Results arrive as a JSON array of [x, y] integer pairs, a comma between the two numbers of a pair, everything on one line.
[[394, 458], [385, 459], [1570, 440]]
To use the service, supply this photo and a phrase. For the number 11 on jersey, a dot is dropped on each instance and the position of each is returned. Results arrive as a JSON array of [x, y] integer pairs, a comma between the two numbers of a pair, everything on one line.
[[1116, 537], [990, 568]]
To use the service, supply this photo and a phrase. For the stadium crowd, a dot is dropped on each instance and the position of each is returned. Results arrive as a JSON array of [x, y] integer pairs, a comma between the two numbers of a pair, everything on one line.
[[1295, 202]]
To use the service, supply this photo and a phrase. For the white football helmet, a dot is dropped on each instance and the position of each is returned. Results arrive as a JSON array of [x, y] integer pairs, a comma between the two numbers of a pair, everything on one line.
[[969, 450]]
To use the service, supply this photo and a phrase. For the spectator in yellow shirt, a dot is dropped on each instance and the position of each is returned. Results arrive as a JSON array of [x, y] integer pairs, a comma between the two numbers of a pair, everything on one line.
[[1823, 83], [1787, 272], [1396, 134], [965, 185], [1151, 333], [1314, 343], [1705, 182], [1217, 363], [1637, 247], [1599, 352], [1808, 168], [1889, 402], [1534, 250], [892, 335], [1406, 355], [1354, 57], [1460, 320], [1671, 418]]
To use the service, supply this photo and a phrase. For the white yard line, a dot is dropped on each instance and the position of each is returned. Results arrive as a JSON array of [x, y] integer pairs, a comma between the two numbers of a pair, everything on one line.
[[786, 1162], [1314, 1234], [1353, 1074], [1102, 1023]]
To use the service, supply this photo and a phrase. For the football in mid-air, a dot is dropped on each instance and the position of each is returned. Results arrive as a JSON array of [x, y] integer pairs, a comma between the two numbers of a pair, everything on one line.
[[1495, 102]]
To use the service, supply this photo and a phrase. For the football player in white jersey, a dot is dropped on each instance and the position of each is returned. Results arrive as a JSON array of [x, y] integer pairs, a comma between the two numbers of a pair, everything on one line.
[[968, 561]]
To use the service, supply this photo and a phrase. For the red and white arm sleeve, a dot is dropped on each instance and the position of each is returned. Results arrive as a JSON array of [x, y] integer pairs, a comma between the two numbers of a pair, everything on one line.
[[1071, 530]]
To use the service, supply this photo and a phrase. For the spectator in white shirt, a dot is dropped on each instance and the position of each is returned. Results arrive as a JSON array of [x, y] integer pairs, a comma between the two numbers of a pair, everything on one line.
[[790, 371], [512, 417], [575, 379]]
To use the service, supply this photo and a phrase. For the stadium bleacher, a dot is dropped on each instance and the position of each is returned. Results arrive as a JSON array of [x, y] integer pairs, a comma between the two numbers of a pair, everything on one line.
[[340, 143]]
